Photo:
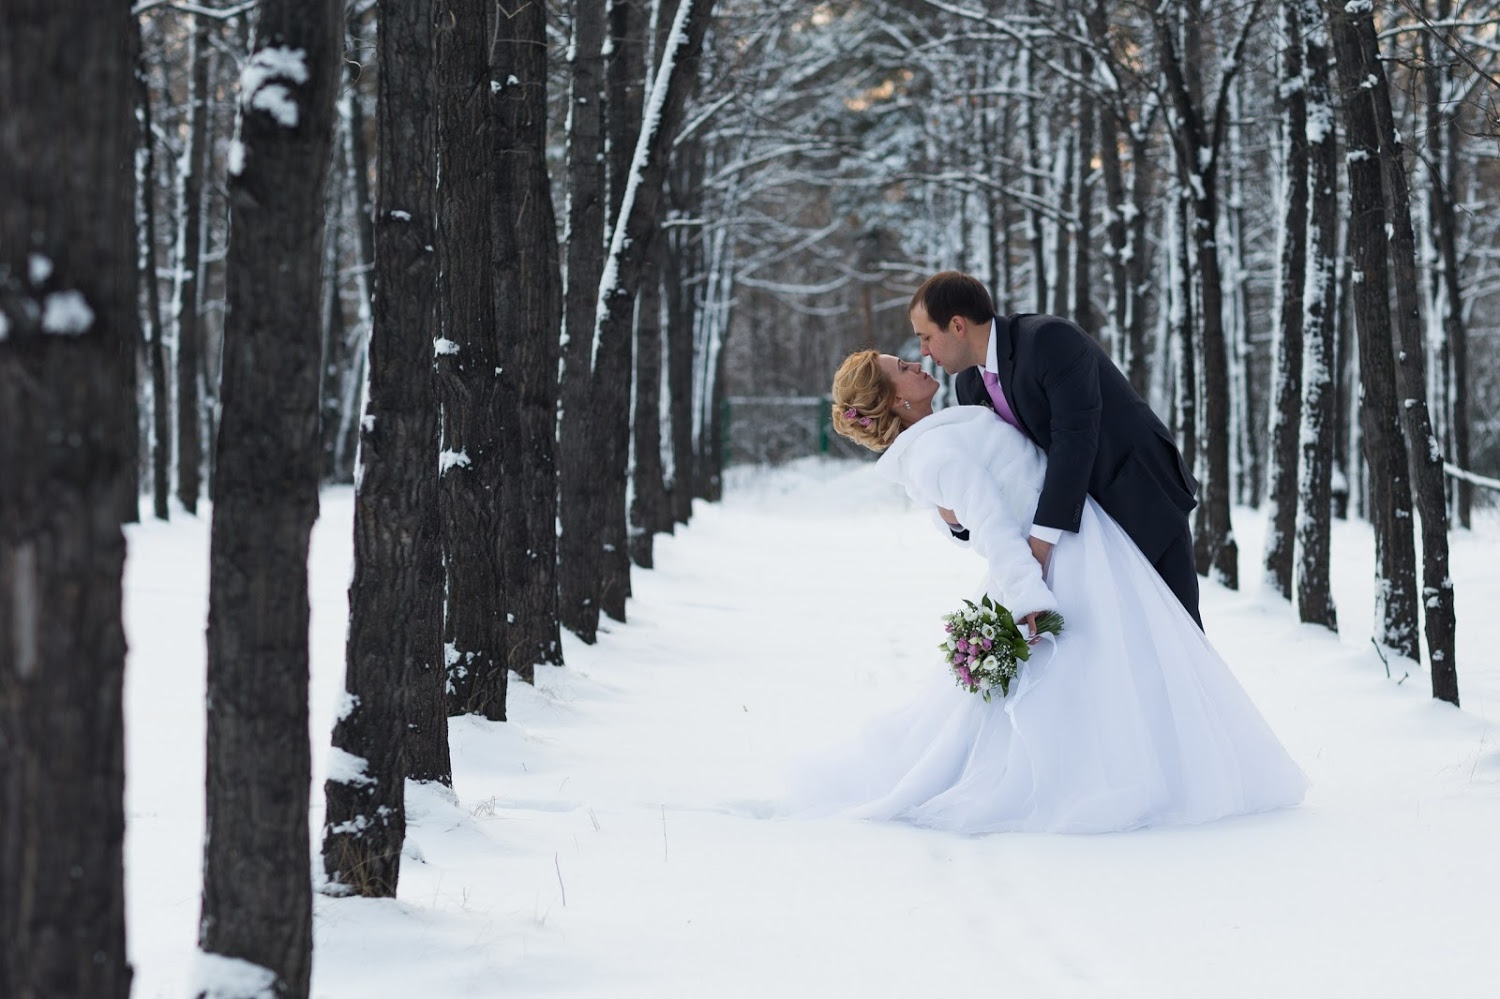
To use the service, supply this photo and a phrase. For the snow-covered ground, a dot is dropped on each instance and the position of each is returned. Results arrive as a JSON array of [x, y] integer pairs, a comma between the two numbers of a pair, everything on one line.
[[614, 838]]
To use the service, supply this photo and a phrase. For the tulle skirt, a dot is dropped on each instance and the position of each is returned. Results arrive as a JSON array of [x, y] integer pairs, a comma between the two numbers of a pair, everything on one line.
[[1130, 719]]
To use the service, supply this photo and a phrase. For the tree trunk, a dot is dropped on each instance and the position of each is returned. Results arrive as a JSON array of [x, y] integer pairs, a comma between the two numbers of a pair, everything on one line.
[[1244, 411], [1184, 352], [257, 903], [625, 78], [189, 265], [684, 265], [1315, 603], [1035, 223], [529, 300], [634, 241], [1138, 266], [395, 623], [1083, 290], [1384, 450], [1198, 140], [1286, 392], [1065, 226], [468, 364], [579, 550], [68, 306], [1444, 138], [648, 505], [1423, 455], [351, 208], [1117, 234], [156, 353]]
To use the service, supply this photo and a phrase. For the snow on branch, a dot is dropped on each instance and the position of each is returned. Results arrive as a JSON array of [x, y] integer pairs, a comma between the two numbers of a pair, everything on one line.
[[650, 124], [1453, 471]]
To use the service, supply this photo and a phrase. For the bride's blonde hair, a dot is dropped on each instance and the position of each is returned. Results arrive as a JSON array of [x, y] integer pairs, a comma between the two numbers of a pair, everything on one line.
[[863, 402]]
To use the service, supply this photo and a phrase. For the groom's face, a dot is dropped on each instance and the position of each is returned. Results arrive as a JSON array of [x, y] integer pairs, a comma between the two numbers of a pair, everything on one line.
[[942, 344]]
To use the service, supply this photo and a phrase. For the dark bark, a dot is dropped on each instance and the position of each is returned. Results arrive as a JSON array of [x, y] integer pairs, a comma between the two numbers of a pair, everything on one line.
[[1315, 603], [1036, 223], [1286, 392], [352, 209], [395, 621], [1065, 227], [68, 308], [1444, 138], [156, 354], [1423, 456], [1115, 229], [1348, 461], [649, 512], [708, 466], [1138, 267], [190, 270], [684, 264], [1083, 290], [529, 304], [257, 903], [1184, 351], [580, 552], [1390, 508], [1198, 137], [640, 218], [625, 72], [468, 365]]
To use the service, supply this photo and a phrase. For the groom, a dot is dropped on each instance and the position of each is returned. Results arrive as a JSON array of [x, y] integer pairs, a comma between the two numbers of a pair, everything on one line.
[[1049, 378]]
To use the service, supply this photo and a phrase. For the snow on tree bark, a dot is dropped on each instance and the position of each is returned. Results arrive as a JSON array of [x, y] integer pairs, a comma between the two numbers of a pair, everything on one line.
[[189, 266], [1315, 603], [257, 904], [469, 376], [529, 309], [1390, 508], [1198, 136], [1423, 456], [580, 487], [394, 717], [1286, 393]]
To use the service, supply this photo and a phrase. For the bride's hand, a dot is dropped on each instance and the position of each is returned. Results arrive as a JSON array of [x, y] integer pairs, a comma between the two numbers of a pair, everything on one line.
[[1030, 620]]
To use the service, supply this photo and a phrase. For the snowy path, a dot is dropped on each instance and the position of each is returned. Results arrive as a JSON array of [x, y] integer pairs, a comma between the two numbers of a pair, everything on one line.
[[608, 841]]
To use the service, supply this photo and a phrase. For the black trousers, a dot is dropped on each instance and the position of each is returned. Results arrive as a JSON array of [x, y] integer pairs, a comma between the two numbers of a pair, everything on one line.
[[1176, 568]]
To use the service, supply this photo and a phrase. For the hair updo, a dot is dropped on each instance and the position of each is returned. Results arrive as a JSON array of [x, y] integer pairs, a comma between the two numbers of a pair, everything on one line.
[[864, 402]]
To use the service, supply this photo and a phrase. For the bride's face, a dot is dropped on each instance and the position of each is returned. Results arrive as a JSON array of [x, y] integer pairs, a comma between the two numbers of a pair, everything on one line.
[[911, 382]]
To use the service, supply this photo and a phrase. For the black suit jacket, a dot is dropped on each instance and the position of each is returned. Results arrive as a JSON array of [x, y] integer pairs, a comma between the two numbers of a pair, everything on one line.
[[1101, 438]]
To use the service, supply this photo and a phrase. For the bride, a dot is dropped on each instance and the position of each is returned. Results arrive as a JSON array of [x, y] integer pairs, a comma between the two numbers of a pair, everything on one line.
[[1129, 719]]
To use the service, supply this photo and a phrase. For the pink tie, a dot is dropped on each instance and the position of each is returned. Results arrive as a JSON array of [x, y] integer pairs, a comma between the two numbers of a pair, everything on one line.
[[997, 396]]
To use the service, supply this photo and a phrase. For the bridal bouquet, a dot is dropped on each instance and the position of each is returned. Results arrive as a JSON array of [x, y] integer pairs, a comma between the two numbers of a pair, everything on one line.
[[985, 646]]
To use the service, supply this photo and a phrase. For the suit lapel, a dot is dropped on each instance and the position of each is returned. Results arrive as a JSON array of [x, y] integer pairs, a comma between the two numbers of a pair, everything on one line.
[[1003, 331]]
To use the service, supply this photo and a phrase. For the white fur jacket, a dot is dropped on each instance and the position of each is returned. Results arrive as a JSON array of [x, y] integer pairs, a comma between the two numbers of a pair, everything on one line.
[[967, 459]]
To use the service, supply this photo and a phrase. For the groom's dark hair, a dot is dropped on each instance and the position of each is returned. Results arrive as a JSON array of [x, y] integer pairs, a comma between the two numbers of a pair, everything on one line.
[[951, 293]]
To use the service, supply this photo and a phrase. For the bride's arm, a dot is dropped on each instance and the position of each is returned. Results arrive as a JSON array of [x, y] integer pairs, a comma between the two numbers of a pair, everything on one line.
[[998, 521]]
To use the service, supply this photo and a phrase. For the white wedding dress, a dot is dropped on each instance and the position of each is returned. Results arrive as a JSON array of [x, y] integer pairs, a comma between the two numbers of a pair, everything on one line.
[[1131, 719]]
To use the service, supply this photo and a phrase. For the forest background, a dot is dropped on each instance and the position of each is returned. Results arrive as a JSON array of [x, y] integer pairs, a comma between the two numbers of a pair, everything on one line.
[[535, 273]]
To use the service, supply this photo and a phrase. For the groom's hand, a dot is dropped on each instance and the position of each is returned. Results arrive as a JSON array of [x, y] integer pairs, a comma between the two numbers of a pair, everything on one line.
[[1041, 551]]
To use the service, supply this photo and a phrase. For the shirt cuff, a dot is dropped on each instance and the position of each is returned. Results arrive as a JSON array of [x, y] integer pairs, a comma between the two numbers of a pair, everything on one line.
[[1051, 535]]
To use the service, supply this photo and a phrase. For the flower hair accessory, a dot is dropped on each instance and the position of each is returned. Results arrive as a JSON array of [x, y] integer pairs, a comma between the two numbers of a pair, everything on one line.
[[853, 414]]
